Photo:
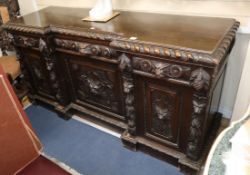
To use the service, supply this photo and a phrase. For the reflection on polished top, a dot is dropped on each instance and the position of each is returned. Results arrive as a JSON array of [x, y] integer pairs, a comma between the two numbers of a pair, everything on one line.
[[198, 33]]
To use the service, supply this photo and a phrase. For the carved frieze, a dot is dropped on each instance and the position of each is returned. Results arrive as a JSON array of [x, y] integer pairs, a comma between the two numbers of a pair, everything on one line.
[[162, 51], [95, 86], [178, 53], [128, 90], [85, 48], [161, 69], [24, 41], [86, 33], [162, 113], [122, 43]]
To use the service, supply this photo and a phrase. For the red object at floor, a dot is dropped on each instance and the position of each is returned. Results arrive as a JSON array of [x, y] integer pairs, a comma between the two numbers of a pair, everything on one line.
[[19, 146], [42, 166]]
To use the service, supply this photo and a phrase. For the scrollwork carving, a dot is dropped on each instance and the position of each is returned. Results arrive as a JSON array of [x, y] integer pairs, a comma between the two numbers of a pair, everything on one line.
[[161, 69], [25, 41], [85, 48]]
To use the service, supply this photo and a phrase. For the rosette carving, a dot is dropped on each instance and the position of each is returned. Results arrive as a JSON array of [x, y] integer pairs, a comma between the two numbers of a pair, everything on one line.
[[161, 69], [84, 48]]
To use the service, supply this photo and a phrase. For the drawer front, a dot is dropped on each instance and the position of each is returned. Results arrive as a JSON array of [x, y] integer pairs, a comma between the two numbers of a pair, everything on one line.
[[162, 69], [96, 83], [25, 41], [163, 111]]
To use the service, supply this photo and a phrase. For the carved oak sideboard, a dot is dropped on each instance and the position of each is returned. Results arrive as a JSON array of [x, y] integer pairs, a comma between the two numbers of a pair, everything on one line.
[[157, 78]]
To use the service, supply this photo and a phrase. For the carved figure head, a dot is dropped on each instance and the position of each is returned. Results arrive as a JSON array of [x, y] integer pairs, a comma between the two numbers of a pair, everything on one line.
[[162, 113], [200, 79]]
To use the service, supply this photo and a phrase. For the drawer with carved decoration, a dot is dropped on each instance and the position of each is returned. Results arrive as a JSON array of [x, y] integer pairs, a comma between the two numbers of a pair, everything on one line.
[[162, 69], [84, 48], [24, 41]]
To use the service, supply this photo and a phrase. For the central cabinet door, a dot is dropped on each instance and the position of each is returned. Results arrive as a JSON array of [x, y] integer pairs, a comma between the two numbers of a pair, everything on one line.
[[96, 84]]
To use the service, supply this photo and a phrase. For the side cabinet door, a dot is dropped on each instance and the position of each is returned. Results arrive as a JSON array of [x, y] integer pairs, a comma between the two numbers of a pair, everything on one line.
[[162, 112], [38, 74]]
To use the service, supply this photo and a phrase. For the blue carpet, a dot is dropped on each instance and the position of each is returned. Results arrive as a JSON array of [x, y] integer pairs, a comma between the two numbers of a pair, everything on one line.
[[90, 151]]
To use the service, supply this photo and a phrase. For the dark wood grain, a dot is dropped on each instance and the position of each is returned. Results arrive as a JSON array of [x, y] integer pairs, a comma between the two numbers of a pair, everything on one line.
[[161, 90], [165, 29]]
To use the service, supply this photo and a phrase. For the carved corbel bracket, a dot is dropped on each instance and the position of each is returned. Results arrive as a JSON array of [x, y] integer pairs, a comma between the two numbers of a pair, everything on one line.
[[200, 79]]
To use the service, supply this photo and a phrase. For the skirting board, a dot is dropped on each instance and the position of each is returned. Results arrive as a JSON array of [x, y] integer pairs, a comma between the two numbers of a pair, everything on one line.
[[75, 117], [227, 113]]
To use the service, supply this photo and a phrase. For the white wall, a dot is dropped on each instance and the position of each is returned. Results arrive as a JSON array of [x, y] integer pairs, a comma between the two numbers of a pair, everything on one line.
[[224, 8], [239, 9], [243, 95], [233, 74], [27, 6]]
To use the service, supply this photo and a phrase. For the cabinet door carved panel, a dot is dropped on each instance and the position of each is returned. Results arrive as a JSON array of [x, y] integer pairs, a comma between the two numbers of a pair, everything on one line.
[[162, 113], [40, 79], [162, 107], [96, 85]]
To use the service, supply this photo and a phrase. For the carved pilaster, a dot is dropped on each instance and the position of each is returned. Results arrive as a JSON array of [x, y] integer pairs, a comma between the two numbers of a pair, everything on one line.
[[200, 81], [25, 78], [128, 89], [47, 53], [196, 126]]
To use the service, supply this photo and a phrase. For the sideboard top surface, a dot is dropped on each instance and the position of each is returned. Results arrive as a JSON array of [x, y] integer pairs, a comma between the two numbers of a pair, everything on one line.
[[197, 33]]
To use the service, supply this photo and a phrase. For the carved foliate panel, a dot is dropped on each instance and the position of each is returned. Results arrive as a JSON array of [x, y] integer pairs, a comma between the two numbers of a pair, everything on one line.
[[24, 41], [36, 67], [95, 86], [162, 113]]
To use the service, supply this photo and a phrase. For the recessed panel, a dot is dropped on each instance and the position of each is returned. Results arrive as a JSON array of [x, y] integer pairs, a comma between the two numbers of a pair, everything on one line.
[[95, 85], [38, 73], [162, 113]]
